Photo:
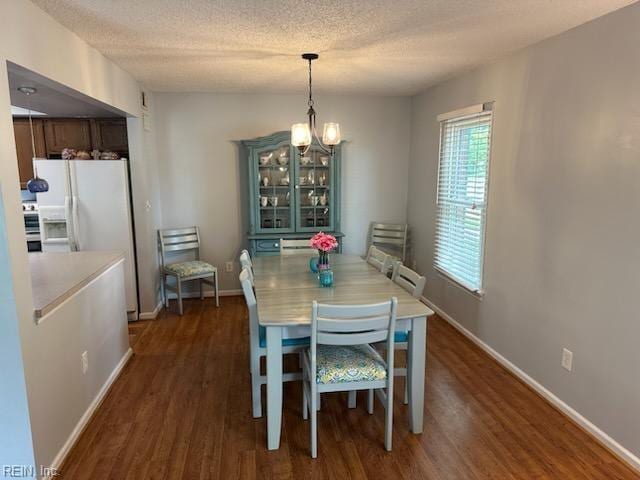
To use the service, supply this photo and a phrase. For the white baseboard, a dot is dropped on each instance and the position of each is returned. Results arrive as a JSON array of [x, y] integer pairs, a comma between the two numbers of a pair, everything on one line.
[[172, 296], [84, 420], [609, 443], [151, 315], [207, 294]]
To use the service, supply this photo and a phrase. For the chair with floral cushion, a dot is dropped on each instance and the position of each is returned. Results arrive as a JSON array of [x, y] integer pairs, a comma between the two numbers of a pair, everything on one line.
[[340, 358], [184, 240]]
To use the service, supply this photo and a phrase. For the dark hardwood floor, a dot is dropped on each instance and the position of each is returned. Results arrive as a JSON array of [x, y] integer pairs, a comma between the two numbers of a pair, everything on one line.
[[181, 409]]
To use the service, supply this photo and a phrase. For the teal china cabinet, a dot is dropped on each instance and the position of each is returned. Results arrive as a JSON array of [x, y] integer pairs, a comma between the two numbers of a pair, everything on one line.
[[291, 196]]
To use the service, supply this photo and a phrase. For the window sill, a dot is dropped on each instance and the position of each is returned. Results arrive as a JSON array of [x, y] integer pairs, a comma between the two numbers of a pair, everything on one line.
[[476, 293]]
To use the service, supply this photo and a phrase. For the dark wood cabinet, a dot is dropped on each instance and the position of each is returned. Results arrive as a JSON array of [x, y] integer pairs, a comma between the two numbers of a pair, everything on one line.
[[24, 152], [110, 134], [61, 133], [52, 135]]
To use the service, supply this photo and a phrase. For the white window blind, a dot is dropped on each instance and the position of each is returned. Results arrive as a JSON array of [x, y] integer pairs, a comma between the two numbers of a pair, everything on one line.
[[465, 143]]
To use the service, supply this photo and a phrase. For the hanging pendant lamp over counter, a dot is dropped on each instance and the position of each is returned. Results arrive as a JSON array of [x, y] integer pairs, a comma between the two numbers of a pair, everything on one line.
[[36, 184], [302, 134]]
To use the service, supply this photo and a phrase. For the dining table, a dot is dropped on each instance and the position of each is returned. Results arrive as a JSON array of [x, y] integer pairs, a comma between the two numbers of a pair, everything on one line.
[[285, 288]]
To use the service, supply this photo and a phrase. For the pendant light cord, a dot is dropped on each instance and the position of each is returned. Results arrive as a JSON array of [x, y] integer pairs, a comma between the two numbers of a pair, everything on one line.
[[33, 141]]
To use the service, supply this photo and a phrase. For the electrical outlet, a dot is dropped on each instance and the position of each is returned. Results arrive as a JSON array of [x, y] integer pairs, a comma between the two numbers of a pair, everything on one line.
[[229, 266], [567, 359], [85, 361]]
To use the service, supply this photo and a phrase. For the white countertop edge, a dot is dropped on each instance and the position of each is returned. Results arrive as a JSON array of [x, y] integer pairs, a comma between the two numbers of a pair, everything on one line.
[[42, 311]]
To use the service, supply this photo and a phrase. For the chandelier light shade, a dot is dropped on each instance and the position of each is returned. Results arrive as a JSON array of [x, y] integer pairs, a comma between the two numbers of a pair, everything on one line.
[[302, 134], [331, 134]]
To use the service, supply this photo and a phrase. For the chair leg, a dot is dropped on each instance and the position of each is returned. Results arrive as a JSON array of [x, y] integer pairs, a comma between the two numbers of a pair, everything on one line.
[[163, 292], [164, 288], [201, 290], [179, 296], [406, 379], [256, 394], [305, 400], [314, 425], [215, 279], [318, 401], [370, 402], [388, 424], [351, 403]]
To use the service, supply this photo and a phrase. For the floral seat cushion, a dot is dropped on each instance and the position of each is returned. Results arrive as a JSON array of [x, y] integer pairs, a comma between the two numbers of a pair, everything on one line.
[[350, 363], [188, 269]]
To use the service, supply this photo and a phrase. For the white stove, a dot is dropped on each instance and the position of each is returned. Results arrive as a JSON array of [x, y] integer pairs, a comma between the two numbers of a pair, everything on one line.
[[32, 225]]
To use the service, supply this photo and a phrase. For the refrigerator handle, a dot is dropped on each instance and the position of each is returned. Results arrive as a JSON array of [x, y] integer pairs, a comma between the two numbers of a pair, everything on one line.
[[68, 215], [76, 223]]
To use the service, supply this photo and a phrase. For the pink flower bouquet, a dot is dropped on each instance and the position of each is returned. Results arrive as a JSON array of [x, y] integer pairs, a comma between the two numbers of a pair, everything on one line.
[[323, 242]]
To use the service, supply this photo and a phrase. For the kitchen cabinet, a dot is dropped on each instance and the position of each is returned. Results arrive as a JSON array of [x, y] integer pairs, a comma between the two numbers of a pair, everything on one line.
[[61, 133], [22, 134], [52, 135], [291, 196], [110, 134]]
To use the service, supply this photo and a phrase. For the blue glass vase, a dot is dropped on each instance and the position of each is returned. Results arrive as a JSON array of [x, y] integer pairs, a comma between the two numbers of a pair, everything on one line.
[[313, 264], [325, 277]]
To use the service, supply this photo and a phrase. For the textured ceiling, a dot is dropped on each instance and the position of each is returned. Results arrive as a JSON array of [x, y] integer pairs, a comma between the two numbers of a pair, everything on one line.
[[366, 46]]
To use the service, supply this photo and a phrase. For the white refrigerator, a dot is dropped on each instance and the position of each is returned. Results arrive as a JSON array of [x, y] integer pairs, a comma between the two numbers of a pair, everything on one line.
[[86, 208]]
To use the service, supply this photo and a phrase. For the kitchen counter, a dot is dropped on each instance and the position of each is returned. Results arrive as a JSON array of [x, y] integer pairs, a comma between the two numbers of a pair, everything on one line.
[[55, 277]]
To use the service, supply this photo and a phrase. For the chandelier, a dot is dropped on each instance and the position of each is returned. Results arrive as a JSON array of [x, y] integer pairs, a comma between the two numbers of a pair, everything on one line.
[[302, 134]]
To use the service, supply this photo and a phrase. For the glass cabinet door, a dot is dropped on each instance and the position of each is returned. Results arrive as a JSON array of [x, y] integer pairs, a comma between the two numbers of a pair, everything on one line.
[[314, 195], [275, 189]]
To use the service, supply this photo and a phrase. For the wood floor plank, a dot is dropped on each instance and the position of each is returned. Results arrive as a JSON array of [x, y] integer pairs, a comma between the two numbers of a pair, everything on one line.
[[181, 409]]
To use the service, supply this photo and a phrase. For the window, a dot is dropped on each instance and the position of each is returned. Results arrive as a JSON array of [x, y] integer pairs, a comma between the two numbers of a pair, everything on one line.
[[465, 141]]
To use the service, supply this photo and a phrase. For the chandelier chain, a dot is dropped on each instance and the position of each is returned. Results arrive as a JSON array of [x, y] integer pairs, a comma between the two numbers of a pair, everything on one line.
[[310, 102]]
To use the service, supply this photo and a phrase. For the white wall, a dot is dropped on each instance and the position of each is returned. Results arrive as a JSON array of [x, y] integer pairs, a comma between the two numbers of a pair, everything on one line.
[[563, 237], [16, 445], [32, 39], [199, 164], [93, 320]]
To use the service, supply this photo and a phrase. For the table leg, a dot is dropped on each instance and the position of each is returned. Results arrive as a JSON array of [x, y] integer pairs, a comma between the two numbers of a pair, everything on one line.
[[417, 356], [274, 387]]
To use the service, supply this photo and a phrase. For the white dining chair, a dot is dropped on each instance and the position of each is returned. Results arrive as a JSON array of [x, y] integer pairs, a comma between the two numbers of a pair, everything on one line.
[[391, 238], [340, 358], [258, 345], [183, 240], [378, 259], [296, 247], [413, 283]]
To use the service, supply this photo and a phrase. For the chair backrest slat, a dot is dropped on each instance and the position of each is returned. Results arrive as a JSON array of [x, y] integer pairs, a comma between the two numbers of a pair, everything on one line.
[[373, 336], [377, 240], [179, 247], [296, 247], [411, 281], [180, 239], [170, 232]]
